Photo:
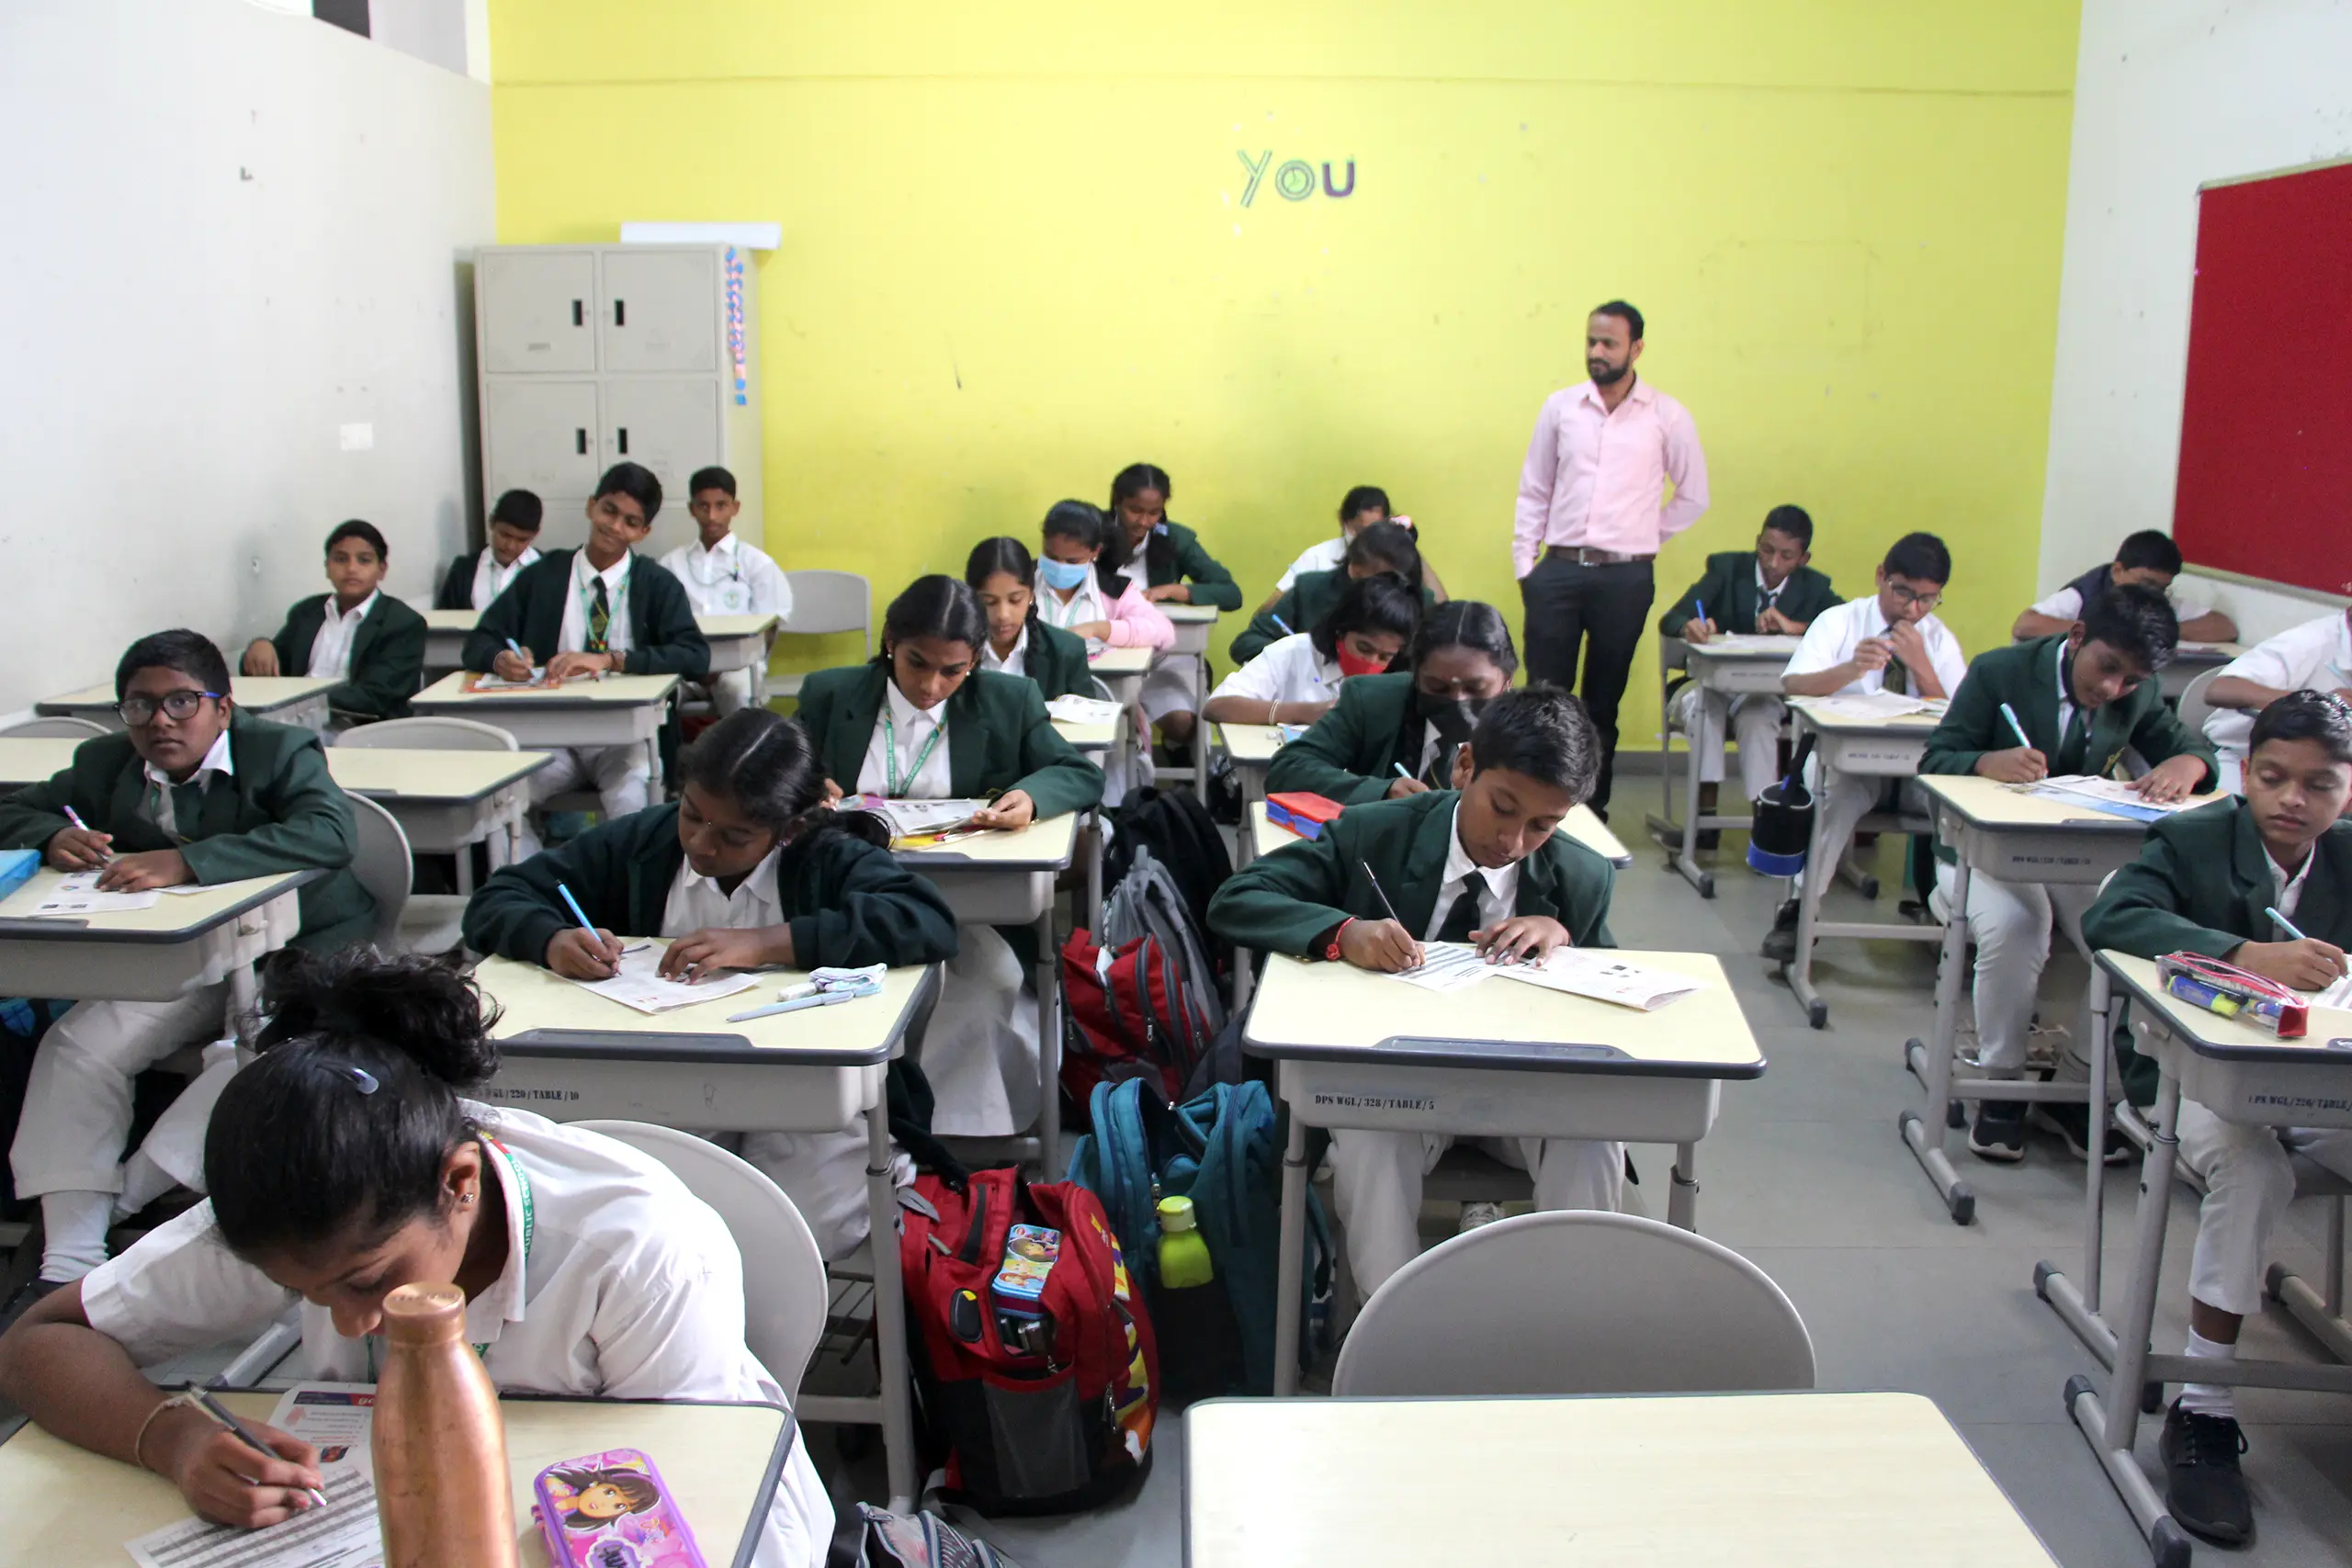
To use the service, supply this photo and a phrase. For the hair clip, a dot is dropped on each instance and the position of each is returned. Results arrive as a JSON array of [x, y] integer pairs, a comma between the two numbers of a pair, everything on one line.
[[360, 1075]]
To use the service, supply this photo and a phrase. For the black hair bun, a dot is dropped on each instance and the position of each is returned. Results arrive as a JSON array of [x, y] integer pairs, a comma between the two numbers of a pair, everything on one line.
[[416, 1005]]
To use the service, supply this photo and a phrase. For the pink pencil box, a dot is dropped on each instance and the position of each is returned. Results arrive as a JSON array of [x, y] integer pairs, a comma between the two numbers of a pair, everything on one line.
[[612, 1510]]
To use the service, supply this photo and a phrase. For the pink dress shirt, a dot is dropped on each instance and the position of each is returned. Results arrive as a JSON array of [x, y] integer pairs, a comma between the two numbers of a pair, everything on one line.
[[1598, 480]]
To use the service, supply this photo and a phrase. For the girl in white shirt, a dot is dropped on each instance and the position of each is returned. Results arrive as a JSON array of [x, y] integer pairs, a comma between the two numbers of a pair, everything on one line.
[[1297, 678], [344, 1163], [1105, 607]]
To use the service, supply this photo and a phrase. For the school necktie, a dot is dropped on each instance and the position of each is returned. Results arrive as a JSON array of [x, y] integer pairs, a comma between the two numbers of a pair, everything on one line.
[[600, 618], [1463, 918], [2076, 741], [1897, 677]]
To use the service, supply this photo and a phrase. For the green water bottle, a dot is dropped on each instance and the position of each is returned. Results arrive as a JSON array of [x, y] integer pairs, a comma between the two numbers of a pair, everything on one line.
[[1183, 1251]]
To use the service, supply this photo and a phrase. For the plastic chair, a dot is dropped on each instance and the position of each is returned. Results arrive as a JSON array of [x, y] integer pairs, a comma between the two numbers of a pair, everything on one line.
[[58, 728], [824, 602], [2194, 709], [430, 734], [785, 1294], [1575, 1301], [381, 863]]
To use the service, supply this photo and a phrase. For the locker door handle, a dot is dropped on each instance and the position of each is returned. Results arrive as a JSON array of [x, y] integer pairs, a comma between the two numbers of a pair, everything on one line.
[[620, 313], [580, 442], [624, 436], [579, 317]]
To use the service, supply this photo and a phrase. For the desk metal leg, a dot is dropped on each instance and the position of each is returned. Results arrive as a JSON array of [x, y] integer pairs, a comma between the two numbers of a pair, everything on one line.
[[1926, 1136], [1686, 864], [2321, 1314], [2078, 1307], [1049, 1051], [1289, 1275], [889, 1308], [1200, 729], [1094, 870], [1818, 876], [1682, 1189], [1242, 979]]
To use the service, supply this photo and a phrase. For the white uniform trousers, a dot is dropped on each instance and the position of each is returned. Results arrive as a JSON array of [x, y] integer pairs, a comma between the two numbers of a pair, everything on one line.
[[2248, 1180], [1377, 1182], [1753, 716], [730, 692], [981, 1051], [824, 1175], [1848, 799], [78, 1100], [621, 775], [2009, 922], [1169, 687]]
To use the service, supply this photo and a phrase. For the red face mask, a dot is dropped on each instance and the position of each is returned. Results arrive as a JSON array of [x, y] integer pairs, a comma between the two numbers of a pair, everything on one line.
[[1353, 663]]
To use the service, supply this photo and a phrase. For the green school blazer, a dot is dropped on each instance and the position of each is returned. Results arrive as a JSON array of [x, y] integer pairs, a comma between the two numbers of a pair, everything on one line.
[[848, 902], [279, 810], [999, 737], [1286, 902], [1351, 753], [1728, 589], [663, 639], [1057, 662], [1306, 602], [1174, 554], [387, 656]]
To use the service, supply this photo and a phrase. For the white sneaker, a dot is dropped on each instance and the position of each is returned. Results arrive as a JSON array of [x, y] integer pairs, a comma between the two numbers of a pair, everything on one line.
[[1476, 1215]]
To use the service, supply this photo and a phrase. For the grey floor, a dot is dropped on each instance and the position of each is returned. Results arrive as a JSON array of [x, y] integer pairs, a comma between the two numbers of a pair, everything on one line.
[[1806, 1176]]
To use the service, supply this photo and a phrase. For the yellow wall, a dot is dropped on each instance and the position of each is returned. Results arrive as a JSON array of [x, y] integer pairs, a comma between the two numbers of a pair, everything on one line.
[[1015, 259]]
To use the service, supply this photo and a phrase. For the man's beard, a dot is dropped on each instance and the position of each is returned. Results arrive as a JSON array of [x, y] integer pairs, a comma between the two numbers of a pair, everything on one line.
[[1605, 378]]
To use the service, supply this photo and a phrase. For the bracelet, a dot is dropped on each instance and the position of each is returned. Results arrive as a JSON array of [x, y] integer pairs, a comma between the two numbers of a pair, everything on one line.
[[176, 1402], [1272, 708]]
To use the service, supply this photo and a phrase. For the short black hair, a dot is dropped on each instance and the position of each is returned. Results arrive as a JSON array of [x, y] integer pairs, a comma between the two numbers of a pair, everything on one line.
[[1623, 312], [1390, 546], [519, 509], [190, 653], [1363, 498], [712, 477], [1381, 602], [1543, 732], [1466, 623], [1793, 521], [2322, 716], [1919, 556], [634, 481], [366, 533], [2150, 549], [2135, 621]]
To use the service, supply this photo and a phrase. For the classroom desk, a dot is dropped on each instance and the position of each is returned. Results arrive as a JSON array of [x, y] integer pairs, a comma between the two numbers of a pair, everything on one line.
[[1195, 625], [298, 700], [2240, 1074], [1250, 748], [445, 632], [1735, 666], [67, 1507], [738, 642], [620, 710], [1093, 738], [30, 760], [1869, 747], [445, 801], [1353, 1049], [152, 954], [2191, 660], [2000, 830], [1693, 1481], [1122, 670], [572, 1055], [1007, 879]]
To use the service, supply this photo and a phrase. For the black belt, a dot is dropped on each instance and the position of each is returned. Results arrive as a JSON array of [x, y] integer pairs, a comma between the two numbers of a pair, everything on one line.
[[1583, 557]]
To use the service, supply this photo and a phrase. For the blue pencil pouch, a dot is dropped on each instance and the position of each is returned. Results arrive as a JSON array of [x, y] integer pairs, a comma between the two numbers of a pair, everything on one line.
[[17, 868]]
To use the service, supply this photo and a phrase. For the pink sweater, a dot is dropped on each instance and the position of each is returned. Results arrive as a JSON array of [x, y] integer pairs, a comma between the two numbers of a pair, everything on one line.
[[1135, 621]]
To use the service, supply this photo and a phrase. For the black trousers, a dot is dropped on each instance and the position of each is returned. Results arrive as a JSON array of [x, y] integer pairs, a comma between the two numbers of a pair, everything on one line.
[[1566, 604]]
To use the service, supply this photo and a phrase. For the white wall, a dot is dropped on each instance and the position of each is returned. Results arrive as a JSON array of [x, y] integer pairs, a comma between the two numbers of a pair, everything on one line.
[[2168, 94], [230, 233]]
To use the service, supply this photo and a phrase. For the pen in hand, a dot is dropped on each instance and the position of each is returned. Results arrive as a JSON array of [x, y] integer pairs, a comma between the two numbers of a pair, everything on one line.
[[105, 854], [219, 1412], [1420, 957]]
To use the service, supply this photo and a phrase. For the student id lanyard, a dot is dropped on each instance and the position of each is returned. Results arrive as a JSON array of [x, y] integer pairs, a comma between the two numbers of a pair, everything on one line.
[[530, 1228], [890, 783]]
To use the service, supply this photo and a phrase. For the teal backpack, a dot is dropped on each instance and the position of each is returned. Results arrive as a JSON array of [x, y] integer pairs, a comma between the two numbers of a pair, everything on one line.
[[1222, 1149]]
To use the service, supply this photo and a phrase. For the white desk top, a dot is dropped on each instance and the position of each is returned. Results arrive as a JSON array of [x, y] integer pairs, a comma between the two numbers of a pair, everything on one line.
[[456, 689], [1755, 647], [254, 693], [452, 620], [1582, 825], [1041, 846], [430, 775], [736, 626], [543, 1014], [174, 916], [2206, 652], [1336, 1011], [2328, 1039], [1195, 615], [70, 1508], [1088, 737], [29, 759], [1122, 661], [1985, 804], [1254, 743], [1821, 718], [1763, 1481]]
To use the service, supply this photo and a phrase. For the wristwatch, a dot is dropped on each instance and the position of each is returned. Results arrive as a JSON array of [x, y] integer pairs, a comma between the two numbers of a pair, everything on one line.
[[1331, 947]]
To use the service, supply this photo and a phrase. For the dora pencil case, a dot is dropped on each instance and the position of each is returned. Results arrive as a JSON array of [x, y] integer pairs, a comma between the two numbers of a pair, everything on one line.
[[611, 1510]]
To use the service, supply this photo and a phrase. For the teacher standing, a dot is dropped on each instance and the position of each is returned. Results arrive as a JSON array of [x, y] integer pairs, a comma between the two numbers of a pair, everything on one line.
[[1592, 514]]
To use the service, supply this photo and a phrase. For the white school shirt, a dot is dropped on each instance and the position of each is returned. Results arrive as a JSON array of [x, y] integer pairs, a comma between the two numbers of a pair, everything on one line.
[[157, 805], [2317, 654], [2188, 603], [736, 579], [1017, 663], [2288, 891], [1328, 556], [1497, 886], [574, 638], [912, 727], [330, 650], [1287, 669], [1834, 634], [696, 903], [491, 578], [1086, 603]]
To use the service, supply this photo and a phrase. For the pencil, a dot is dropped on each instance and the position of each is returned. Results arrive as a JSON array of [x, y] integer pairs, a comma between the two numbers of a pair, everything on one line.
[[2286, 925], [1280, 622], [219, 1412], [75, 818], [1381, 892], [2015, 727]]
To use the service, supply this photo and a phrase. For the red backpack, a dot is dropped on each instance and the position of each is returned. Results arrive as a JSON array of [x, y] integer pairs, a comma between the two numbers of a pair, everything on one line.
[[1036, 1375]]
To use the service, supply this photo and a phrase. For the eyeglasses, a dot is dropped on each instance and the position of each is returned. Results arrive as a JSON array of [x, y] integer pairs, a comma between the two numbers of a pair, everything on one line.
[[1904, 596], [180, 706]]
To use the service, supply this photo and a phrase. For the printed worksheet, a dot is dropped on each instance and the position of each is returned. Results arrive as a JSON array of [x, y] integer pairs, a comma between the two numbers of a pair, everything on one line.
[[2110, 795], [1871, 705], [2339, 994], [1074, 709], [1753, 642], [334, 1418], [78, 895], [1447, 966], [640, 985], [1602, 977]]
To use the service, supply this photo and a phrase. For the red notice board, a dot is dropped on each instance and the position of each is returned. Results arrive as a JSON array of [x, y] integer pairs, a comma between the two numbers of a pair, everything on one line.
[[2266, 427]]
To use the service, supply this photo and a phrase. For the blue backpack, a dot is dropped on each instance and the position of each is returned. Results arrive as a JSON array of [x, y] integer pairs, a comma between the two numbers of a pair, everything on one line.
[[1220, 1149]]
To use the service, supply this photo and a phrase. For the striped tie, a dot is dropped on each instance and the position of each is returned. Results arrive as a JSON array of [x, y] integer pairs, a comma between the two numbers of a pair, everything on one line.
[[600, 619]]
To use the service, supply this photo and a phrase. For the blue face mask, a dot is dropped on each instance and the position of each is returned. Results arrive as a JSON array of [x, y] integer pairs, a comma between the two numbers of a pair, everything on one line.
[[1065, 575]]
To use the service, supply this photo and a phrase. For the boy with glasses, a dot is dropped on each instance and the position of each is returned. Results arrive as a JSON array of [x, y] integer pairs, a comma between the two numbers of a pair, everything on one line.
[[191, 791]]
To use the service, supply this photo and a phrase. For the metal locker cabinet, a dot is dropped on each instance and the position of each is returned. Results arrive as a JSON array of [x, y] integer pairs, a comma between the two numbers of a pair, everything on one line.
[[538, 310], [541, 434], [670, 423], [656, 312]]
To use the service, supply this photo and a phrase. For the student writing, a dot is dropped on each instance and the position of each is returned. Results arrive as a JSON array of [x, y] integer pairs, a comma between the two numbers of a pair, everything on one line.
[[346, 1162], [1383, 547], [1358, 508], [1165, 559], [480, 576], [370, 641], [2316, 655], [1297, 678], [724, 576], [191, 790], [2204, 882], [2146, 559], [1003, 575], [1484, 862]]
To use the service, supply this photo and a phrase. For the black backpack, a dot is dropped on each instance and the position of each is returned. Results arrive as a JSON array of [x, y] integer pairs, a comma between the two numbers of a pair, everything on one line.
[[1177, 830]]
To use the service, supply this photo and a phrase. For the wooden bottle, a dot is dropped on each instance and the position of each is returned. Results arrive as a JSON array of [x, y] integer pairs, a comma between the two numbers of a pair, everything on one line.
[[442, 1491]]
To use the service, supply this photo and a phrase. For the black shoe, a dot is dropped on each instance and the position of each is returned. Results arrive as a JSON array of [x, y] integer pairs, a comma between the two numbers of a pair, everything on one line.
[[2204, 1489], [2072, 1124], [1998, 1132], [27, 1294], [1781, 946], [1711, 837]]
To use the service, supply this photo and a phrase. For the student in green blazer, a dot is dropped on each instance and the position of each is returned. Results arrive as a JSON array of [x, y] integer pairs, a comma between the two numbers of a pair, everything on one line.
[[923, 722], [748, 870], [375, 643], [1482, 862], [1003, 575], [1172, 568], [1461, 660], [190, 790], [1382, 546], [1772, 591], [2082, 700], [2206, 881]]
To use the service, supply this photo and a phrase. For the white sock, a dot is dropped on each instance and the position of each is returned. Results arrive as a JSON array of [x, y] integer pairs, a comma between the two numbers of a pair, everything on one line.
[[144, 1181], [2206, 1398], [73, 1227]]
